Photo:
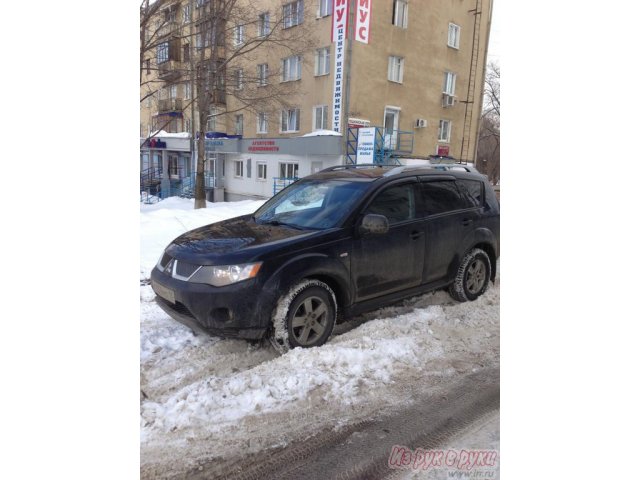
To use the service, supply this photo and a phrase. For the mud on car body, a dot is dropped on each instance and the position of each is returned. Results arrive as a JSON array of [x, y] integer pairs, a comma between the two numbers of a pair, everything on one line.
[[330, 246]]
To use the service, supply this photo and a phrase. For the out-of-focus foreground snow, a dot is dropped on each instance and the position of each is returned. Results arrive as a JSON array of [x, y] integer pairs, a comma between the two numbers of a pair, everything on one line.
[[210, 398]]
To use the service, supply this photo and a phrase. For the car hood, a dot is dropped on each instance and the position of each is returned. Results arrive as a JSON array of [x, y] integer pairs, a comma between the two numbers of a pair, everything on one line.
[[236, 239]]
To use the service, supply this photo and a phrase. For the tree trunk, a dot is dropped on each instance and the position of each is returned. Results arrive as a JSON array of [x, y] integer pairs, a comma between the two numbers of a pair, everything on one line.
[[200, 194]]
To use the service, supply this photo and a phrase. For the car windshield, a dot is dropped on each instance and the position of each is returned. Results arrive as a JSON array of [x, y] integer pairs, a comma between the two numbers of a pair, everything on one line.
[[312, 204]]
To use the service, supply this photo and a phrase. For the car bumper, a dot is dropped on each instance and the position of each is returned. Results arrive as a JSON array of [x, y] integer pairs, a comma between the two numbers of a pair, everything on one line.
[[234, 311]]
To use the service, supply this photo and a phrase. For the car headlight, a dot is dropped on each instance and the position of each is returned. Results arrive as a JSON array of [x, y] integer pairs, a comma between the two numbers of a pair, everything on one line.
[[219, 276]]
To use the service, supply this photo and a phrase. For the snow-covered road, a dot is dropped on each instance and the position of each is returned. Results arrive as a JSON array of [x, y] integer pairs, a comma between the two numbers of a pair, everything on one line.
[[207, 398]]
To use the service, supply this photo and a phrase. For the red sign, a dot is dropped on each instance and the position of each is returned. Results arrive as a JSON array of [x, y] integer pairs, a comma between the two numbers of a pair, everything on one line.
[[339, 19], [363, 20], [443, 150], [263, 146]]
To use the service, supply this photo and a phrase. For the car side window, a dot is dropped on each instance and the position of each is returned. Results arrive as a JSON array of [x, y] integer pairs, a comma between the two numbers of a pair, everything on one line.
[[396, 203], [441, 196], [472, 192]]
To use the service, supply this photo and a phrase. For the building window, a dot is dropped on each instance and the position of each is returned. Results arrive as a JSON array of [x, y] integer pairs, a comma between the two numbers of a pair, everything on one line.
[[239, 78], [199, 32], [396, 69], [211, 121], [187, 125], [162, 52], [325, 8], [264, 27], [290, 120], [170, 14], [173, 91], [444, 132], [321, 117], [186, 13], [400, 13], [449, 86], [262, 123], [187, 91], [238, 35], [238, 168], [239, 124], [292, 13], [289, 170], [263, 73], [186, 52], [454, 36], [322, 61], [262, 171], [291, 68]]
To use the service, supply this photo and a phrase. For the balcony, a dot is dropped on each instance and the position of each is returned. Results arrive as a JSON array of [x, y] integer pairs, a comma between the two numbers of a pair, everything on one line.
[[170, 105], [170, 70], [219, 97], [169, 28]]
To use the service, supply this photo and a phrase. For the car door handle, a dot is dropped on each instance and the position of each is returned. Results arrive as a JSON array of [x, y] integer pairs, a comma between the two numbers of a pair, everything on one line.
[[415, 235], [466, 221]]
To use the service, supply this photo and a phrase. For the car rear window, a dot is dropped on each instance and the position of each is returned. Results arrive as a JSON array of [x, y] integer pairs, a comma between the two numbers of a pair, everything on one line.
[[441, 196], [472, 191]]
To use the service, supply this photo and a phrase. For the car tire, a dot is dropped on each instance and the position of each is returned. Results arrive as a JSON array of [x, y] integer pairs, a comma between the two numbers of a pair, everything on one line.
[[304, 316], [472, 278]]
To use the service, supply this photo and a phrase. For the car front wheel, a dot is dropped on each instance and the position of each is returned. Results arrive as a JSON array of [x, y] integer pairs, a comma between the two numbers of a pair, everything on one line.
[[473, 276], [304, 317]]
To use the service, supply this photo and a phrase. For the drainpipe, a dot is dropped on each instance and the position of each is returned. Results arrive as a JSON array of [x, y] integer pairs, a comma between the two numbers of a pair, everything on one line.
[[347, 78]]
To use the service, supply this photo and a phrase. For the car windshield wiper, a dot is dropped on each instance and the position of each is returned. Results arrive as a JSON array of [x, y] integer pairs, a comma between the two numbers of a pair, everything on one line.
[[279, 223]]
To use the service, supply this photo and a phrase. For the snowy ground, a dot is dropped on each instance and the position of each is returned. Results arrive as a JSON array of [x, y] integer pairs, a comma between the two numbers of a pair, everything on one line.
[[208, 398]]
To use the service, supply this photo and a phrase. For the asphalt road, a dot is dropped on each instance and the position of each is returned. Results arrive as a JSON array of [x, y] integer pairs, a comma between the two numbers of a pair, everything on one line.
[[361, 451]]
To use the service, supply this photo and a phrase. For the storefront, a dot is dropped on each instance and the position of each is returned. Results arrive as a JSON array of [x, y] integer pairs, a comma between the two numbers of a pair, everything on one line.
[[165, 162], [256, 168]]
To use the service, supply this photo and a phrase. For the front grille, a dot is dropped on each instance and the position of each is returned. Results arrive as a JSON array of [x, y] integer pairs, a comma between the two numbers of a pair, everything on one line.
[[185, 269], [178, 307], [165, 260]]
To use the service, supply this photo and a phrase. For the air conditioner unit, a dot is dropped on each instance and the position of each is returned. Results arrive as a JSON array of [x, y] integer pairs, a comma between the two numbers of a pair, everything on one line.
[[448, 100], [421, 123]]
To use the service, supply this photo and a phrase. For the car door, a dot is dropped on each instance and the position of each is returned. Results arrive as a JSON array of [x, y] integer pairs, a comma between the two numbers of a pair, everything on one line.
[[448, 219], [386, 263]]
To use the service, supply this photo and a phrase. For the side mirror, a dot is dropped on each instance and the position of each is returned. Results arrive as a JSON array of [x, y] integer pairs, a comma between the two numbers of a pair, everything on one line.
[[374, 224]]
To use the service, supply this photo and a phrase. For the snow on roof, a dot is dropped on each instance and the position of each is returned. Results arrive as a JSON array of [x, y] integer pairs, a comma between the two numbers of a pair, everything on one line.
[[318, 133], [163, 134]]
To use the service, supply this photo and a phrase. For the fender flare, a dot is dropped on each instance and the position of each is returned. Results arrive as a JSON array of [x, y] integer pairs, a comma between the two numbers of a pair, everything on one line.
[[311, 265]]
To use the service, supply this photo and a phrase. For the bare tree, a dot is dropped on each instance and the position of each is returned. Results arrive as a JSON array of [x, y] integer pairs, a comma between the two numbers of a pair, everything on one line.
[[218, 51], [488, 158]]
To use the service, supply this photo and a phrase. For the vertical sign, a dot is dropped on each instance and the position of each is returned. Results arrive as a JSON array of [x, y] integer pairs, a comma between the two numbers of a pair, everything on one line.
[[338, 36], [363, 20], [366, 140]]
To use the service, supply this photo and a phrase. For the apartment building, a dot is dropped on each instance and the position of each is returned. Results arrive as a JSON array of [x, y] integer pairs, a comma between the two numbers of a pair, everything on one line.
[[407, 73]]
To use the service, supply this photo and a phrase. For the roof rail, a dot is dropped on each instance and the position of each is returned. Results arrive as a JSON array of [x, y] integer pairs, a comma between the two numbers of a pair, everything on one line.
[[357, 165]]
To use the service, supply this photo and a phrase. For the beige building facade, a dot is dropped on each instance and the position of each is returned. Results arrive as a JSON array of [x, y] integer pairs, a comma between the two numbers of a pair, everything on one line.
[[419, 79]]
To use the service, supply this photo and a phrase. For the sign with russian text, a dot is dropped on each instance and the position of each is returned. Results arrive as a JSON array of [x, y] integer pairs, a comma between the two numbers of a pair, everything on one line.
[[443, 150], [263, 146], [366, 142], [338, 36], [363, 20], [358, 123]]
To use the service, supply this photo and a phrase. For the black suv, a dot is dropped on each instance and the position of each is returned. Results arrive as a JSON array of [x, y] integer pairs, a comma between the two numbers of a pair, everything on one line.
[[332, 245]]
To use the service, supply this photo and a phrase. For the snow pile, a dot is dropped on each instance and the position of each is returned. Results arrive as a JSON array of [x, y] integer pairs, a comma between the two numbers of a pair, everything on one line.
[[161, 222], [363, 359]]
